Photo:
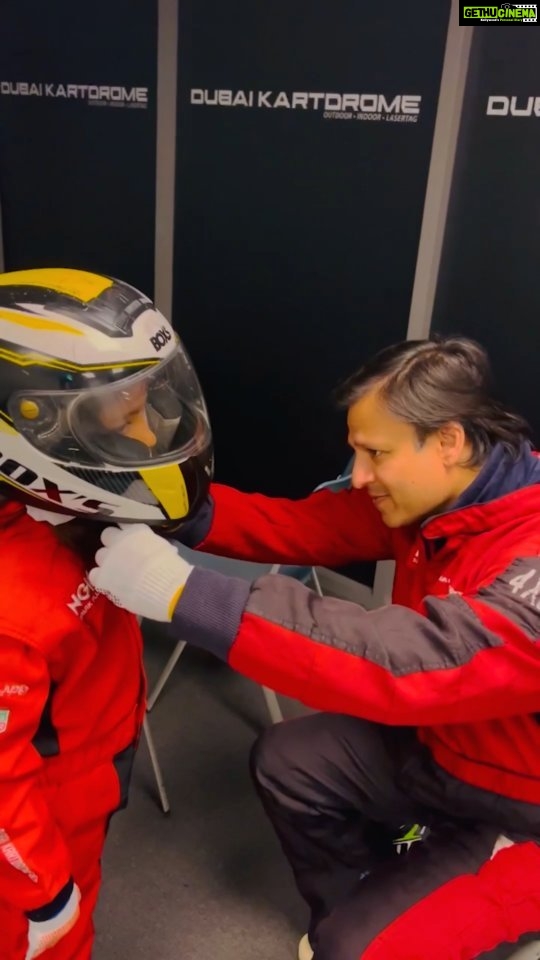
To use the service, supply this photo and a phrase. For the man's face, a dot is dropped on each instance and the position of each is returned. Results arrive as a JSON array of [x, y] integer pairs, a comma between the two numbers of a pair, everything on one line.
[[407, 481]]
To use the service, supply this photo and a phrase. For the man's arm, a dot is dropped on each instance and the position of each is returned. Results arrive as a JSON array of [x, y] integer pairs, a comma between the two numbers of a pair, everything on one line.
[[463, 659], [458, 659], [325, 528], [35, 869]]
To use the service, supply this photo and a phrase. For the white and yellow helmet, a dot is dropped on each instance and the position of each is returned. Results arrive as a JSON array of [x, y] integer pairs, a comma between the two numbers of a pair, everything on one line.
[[101, 412]]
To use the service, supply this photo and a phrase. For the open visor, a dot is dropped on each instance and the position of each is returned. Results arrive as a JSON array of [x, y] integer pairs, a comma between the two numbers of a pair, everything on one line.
[[156, 416]]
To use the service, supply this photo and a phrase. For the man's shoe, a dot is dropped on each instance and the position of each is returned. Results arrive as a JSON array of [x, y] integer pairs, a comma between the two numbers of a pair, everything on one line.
[[304, 949], [410, 833]]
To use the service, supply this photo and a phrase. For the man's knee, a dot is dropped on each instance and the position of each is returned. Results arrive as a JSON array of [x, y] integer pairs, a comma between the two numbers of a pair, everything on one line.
[[318, 760], [269, 759], [284, 768]]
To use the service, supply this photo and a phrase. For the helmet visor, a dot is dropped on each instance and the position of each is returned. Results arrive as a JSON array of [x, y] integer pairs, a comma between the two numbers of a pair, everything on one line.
[[156, 416]]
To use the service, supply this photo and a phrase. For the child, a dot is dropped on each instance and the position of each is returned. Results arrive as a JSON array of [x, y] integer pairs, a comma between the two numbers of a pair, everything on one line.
[[101, 417]]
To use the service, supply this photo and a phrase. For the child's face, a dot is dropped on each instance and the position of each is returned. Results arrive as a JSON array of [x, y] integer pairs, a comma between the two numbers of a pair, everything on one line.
[[125, 413]]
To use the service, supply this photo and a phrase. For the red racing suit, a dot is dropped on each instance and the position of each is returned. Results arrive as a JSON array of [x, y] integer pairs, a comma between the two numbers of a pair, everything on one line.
[[72, 697], [456, 654]]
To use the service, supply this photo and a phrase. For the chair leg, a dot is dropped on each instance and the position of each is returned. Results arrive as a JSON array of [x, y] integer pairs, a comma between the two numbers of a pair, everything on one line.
[[529, 952], [272, 703], [156, 767], [316, 582], [165, 674], [383, 583]]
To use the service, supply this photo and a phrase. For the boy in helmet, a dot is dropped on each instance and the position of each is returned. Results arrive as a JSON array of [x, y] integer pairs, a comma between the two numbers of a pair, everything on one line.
[[432, 702], [101, 418]]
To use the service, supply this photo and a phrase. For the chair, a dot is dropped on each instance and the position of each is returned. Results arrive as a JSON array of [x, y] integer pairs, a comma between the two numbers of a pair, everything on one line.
[[377, 596], [234, 568], [248, 571]]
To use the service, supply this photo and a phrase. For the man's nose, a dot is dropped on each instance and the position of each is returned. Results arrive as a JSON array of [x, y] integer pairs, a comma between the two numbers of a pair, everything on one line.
[[362, 471], [138, 428]]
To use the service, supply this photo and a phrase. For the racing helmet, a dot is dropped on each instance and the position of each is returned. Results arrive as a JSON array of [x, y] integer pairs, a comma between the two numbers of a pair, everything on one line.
[[101, 412]]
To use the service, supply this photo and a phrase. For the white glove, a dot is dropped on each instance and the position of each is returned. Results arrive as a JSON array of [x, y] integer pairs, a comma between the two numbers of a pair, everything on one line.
[[45, 934], [140, 571]]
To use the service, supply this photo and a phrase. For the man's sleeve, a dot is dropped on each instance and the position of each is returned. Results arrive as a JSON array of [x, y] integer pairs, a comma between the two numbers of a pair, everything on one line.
[[462, 659], [34, 863], [325, 529]]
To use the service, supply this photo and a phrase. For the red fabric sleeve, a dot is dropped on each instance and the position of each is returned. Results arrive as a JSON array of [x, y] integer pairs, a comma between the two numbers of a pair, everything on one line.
[[324, 529], [34, 862], [459, 662]]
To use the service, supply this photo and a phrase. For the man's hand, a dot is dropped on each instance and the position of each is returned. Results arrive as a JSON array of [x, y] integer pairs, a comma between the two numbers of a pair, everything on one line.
[[44, 934], [140, 571]]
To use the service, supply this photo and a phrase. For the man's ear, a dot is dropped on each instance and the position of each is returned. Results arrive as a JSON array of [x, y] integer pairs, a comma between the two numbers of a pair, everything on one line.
[[453, 443]]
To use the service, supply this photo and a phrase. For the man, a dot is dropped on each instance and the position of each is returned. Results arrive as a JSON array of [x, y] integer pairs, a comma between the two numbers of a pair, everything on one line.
[[432, 703]]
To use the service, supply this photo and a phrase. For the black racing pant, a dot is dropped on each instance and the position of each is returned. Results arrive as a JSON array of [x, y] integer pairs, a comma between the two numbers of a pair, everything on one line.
[[332, 786]]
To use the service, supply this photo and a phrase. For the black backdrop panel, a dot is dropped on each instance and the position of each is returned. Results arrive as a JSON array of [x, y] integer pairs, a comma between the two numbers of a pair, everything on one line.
[[77, 135], [489, 285], [297, 234]]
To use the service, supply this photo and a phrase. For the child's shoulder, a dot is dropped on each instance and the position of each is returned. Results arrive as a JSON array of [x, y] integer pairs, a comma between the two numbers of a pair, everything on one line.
[[39, 575]]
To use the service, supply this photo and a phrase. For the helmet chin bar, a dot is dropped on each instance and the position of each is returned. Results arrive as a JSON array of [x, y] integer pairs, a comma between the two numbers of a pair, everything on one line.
[[107, 495]]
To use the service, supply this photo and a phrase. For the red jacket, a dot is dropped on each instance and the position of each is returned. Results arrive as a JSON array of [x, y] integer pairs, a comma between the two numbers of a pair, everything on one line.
[[71, 698], [456, 655]]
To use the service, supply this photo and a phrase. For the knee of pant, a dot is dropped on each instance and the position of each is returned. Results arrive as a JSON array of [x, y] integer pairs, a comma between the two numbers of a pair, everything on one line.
[[268, 760]]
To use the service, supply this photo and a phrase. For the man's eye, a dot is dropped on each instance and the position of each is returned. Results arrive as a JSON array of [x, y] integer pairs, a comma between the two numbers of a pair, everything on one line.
[[374, 454]]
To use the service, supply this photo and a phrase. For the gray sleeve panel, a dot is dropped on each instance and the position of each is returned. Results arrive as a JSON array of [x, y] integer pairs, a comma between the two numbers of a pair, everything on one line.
[[516, 594], [401, 641], [393, 637]]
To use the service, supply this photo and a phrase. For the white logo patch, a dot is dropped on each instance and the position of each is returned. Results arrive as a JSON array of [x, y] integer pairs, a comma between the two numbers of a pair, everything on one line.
[[14, 690], [526, 586], [13, 857], [516, 594], [83, 599]]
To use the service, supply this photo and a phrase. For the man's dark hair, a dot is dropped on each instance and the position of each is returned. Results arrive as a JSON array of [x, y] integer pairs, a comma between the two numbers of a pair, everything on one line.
[[428, 383]]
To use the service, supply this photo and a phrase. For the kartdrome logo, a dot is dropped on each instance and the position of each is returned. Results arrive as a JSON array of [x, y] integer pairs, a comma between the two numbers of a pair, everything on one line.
[[399, 108], [498, 13], [93, 94], [513, 106]]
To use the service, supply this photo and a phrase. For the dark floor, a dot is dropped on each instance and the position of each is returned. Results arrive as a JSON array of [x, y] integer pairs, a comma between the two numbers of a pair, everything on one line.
[[209, 880]]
